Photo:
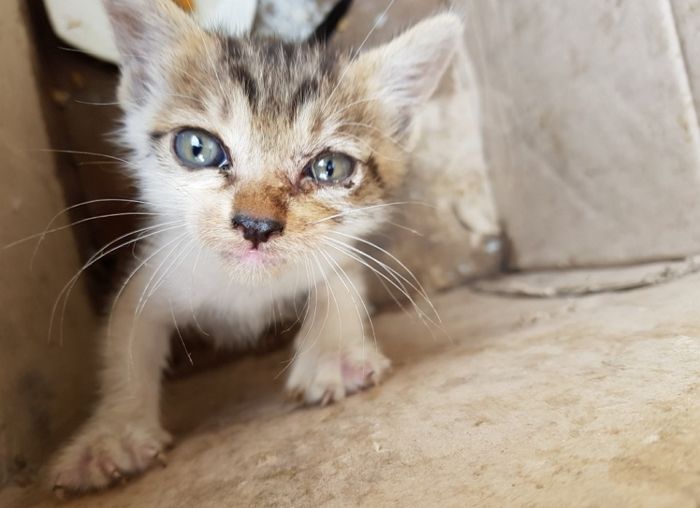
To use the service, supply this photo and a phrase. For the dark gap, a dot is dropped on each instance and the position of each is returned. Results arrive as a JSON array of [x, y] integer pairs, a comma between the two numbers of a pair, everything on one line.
[[329, 25]]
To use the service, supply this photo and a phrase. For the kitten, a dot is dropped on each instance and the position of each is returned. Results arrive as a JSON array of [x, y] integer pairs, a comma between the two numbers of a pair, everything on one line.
[[262, 163]]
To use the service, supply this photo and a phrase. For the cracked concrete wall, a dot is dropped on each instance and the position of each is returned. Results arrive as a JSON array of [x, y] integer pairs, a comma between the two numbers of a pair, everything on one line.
[[42, 385]]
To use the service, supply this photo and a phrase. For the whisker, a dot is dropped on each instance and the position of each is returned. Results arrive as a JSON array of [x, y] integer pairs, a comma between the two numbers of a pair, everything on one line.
[[359, 297], [133, 274], [65, 210], [399, 262], [405, 228], [370, 207], [89, 103], [194, 316], [42, 235], [79, 152], [315, 311], [143, 299], [300, 341], [294, 301], [396, 284], [179, 334], [104, 251], [153, 286], [392, 271]]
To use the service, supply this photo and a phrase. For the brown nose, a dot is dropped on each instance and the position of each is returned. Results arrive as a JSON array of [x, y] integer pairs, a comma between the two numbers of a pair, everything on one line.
[[255, 229]]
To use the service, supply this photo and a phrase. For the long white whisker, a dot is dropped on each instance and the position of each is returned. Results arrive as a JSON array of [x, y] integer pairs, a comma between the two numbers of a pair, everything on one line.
[[370, 207], [143, 299], [359, 297], [399, 262], [65, 291], [194, 316], [395, 283], [43, 234], [391, 271], [179, 333], [300, 340], [80, 152], [133, 274]]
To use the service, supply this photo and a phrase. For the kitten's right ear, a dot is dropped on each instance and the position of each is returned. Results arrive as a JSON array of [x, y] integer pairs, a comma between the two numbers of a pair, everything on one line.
[[404, 73], [145, 32]]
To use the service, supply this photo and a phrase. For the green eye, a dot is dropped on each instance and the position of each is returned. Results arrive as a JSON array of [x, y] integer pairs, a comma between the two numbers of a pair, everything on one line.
[[331, 168], [199, 149]]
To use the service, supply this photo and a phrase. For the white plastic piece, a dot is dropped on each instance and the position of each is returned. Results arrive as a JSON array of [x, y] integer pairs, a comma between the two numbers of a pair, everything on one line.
[[84, 23]]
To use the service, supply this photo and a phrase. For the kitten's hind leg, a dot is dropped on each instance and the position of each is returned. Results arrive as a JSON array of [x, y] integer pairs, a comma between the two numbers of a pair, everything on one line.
[[335, 351], [124, 435]]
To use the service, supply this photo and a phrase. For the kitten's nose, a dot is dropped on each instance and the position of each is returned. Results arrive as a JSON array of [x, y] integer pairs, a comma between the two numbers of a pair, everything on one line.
[[255, 229]]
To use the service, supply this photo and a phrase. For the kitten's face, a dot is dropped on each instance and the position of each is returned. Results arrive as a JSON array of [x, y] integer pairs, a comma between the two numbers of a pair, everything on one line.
[[268, 153], [265, 141]]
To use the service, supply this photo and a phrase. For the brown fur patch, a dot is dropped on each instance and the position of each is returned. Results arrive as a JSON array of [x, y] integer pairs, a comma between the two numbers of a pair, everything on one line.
[[280, 85], [267, 200]]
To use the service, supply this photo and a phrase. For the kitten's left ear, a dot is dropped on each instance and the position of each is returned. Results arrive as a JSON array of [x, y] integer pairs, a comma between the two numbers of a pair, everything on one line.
[[404, 73]]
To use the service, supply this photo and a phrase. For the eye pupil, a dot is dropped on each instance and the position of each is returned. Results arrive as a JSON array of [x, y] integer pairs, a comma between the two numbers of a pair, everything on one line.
[[330, 168], [196, 146]]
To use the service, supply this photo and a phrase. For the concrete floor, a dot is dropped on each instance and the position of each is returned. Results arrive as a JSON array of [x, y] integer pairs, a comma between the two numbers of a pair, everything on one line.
[[558, 402]]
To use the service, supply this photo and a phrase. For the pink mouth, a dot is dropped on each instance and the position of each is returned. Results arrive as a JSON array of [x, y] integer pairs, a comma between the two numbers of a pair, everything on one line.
[[254, 257], [251, 257]]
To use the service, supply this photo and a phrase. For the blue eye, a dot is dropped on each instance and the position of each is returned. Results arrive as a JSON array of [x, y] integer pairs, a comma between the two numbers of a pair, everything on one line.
[[198, 149], [331, 168]]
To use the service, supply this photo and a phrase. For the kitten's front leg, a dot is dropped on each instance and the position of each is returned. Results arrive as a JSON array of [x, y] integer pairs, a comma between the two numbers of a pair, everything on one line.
[[124, 435], [335, 352]]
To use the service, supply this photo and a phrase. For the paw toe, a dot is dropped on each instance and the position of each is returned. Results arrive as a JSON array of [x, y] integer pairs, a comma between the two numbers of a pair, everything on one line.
[[102, 457], [334, 376]]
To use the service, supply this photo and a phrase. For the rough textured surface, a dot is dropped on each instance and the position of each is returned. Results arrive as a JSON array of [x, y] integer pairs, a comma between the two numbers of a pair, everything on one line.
[[43, 386], [561, 402], [587, 110], [586, 282]]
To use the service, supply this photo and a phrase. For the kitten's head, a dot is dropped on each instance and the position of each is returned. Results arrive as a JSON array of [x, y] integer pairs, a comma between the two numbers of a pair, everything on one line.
[[267, 152]]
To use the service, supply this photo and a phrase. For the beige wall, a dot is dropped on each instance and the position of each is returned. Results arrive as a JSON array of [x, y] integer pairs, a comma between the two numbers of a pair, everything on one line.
[[43, 386], [591, 137]]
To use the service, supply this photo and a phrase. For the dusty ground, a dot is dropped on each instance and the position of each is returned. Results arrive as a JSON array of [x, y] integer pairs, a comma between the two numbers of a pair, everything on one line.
[[576, 402]]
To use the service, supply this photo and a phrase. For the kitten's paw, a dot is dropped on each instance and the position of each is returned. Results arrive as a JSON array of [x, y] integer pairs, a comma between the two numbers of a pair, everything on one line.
[[106, 452], [325, 377]]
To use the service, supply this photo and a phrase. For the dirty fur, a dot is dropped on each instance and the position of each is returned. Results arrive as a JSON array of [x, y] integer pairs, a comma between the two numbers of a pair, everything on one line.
[[276, 107]]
